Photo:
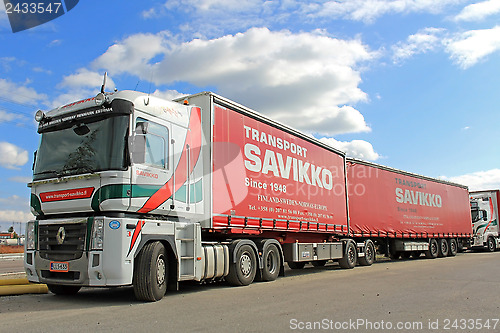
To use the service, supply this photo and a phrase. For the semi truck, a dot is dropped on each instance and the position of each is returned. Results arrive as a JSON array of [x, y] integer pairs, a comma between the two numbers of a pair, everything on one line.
[[133, 190], [484, 210]]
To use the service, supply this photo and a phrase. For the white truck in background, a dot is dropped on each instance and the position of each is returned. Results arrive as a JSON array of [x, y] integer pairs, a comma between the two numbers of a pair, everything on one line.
[[484, 211]]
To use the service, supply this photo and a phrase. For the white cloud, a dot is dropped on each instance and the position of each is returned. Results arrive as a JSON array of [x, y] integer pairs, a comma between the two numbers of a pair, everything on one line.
[[369, 10], [356, 148], [169, 95], [20, 93], [84, 78], [12, 156], [472, 46], [8, 116], [481, 180], [240, 14], [4, 19], [293, 78], [20, 179], [426, 40], [15, 216], [479, 11]]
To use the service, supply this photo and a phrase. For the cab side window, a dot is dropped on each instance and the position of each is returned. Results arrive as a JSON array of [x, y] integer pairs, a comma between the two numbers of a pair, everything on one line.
[[157, 138]]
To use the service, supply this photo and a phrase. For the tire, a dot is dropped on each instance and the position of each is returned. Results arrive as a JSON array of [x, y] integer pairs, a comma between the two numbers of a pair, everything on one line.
[[370, 253], [151, 273], [491, 244], [242, 272], [348, 261], [443, 248], [319, 263], [296, 264], [433, 250], [272, 263], [453, 247], [63, 290]]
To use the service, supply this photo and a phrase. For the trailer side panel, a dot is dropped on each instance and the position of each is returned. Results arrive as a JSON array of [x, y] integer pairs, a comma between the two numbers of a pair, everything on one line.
[[391, 203], [267, 178]]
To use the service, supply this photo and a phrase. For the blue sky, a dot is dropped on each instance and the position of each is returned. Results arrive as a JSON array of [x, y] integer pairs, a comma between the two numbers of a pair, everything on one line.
[[412, 84]]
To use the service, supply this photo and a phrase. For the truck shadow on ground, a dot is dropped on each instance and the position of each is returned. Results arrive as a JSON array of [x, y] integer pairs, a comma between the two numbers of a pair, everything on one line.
[[120, 296]]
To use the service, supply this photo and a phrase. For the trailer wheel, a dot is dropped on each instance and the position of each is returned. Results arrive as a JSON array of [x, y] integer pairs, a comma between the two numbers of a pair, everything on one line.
[[151, 273], [369, 257], [296, 264], [271, 259], [350, 256], [433, 250], [453, 247], [242, 272], [443, 248], [319, 263], [63, 290], [491, 246]]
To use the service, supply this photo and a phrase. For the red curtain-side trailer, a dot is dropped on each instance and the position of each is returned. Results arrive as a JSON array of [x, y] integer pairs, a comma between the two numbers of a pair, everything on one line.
[[396, 208]]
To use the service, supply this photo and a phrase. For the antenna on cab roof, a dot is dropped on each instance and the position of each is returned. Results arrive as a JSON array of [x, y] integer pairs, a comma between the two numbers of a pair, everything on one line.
[[104, 82]]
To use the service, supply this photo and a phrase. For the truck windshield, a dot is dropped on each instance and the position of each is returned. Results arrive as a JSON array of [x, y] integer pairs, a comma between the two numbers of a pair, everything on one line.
[[85, 147]]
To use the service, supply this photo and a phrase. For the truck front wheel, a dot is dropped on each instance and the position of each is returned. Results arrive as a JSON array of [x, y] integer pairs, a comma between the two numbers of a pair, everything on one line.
[[242, 271], [491, 244], [151, 273], [63, 290]]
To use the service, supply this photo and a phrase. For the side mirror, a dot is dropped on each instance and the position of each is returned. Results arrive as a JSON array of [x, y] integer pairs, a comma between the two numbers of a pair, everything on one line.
[[485, 215], [138, 148]]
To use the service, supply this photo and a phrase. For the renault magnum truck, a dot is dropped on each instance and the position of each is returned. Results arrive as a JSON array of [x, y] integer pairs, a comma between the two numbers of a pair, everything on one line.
[[484, 210], [132, 190]]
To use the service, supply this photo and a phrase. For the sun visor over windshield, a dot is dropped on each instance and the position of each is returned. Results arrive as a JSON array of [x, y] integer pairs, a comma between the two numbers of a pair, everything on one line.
[[64, 120]]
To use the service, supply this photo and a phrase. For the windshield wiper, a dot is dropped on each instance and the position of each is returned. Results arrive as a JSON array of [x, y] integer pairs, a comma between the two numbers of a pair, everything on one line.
[[85, 168], [49, 172]]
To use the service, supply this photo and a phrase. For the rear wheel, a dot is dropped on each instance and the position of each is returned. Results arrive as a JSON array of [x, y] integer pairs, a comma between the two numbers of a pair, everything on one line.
[[443, 248], [296, 264], [491, 244], [271, 259], [63, 290], [242, 271], [350, 256], [453, 247], [369, 256], [433, 250], [151, 273]]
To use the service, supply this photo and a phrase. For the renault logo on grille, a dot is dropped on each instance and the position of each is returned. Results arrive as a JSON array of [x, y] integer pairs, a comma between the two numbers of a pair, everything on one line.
[[61, 235]]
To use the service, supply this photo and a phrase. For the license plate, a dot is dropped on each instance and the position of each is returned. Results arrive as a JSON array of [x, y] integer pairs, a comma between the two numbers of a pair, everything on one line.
[[56, 266]]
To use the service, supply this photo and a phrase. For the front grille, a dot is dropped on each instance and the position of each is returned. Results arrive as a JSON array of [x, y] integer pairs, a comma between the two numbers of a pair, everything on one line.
[[72, 276], [72, 245]]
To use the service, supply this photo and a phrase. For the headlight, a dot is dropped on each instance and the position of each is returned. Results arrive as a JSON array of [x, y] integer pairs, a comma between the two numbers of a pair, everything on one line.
[[97, 234], [30, 236]]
